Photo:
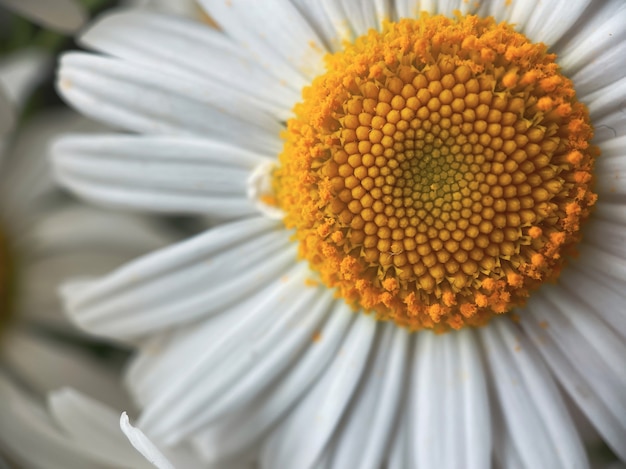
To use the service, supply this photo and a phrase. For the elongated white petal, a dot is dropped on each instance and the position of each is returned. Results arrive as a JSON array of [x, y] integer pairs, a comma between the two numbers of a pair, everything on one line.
[[413, 8], [601, 295], [143, 444], [548, 22], [92, 425], [44, 365], [73, 240], [7, 113], [276, 33], [365, 434], [123, 95], [530, 403], [238, 432], [157, 173], [241, 360], [192, 49], [583, 354], [62, 15], [196, 278], [31, 437], [450, 423], [591, 55], [300, 439]]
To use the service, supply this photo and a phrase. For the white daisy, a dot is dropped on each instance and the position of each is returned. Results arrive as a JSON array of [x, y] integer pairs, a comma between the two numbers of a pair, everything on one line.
[[246, 352]]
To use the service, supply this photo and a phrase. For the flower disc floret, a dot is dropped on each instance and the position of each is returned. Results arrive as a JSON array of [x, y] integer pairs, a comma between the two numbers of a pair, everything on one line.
[[438, 171]]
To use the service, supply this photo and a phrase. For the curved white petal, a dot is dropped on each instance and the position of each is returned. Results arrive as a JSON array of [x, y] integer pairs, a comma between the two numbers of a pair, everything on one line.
[[192, 49], [413, 8], [600, 295], [547, 22], [195, 278], [531, 406], [7, 112], [276, 33], [586, 357], [143, 444], [71, 240], [45, 364], [62, 15], [90, 424], [365, 434], [247, 352], [450, 418], [239, 432], [123, 95], [592, 55], [300, 439], [157, 173], [30, 436]]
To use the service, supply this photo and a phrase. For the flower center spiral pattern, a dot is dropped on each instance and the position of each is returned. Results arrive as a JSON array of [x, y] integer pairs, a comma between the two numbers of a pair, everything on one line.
[[438, 171]]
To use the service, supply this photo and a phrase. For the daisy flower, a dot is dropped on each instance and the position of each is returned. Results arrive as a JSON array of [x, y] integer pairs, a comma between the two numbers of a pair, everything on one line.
[[396, 276]]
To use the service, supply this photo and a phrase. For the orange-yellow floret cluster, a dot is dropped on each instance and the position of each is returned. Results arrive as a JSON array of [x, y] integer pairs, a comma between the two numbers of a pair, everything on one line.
[[438, 171]]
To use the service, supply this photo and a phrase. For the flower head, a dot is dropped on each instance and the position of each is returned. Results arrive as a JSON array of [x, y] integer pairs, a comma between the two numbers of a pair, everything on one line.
[[433, 169]]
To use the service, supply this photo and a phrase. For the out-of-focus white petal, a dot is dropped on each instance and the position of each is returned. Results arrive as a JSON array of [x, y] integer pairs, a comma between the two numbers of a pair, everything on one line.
[[62, 15], [92, 425]]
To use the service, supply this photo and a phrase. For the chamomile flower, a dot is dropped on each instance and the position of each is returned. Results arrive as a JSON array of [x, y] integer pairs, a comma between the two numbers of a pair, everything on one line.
[[396, 277]]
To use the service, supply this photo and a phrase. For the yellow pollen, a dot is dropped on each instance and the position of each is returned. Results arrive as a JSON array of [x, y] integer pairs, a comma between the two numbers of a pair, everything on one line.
[[438, 172]]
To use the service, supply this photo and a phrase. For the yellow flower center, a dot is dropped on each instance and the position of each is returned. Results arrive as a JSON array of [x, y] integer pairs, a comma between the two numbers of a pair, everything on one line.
[[438, 171]]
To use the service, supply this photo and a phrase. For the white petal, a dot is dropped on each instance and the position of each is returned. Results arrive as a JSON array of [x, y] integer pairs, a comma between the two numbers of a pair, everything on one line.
[[450, 424], [74, 240], [607, 236], [583, 354], [413, 8], [593, 54], [20, 73], [238, 432], [160, 174], [92, 425], [611, 98], [143, 444], [365, 434], [128, 96], [532, 408], [276, 33], [399, 456], [62, 15], [600, 295], [192, 49], [7, 113], [300, 439], [240, 361], [31, 437], [45, 365], [548, 21], [183, 282]]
